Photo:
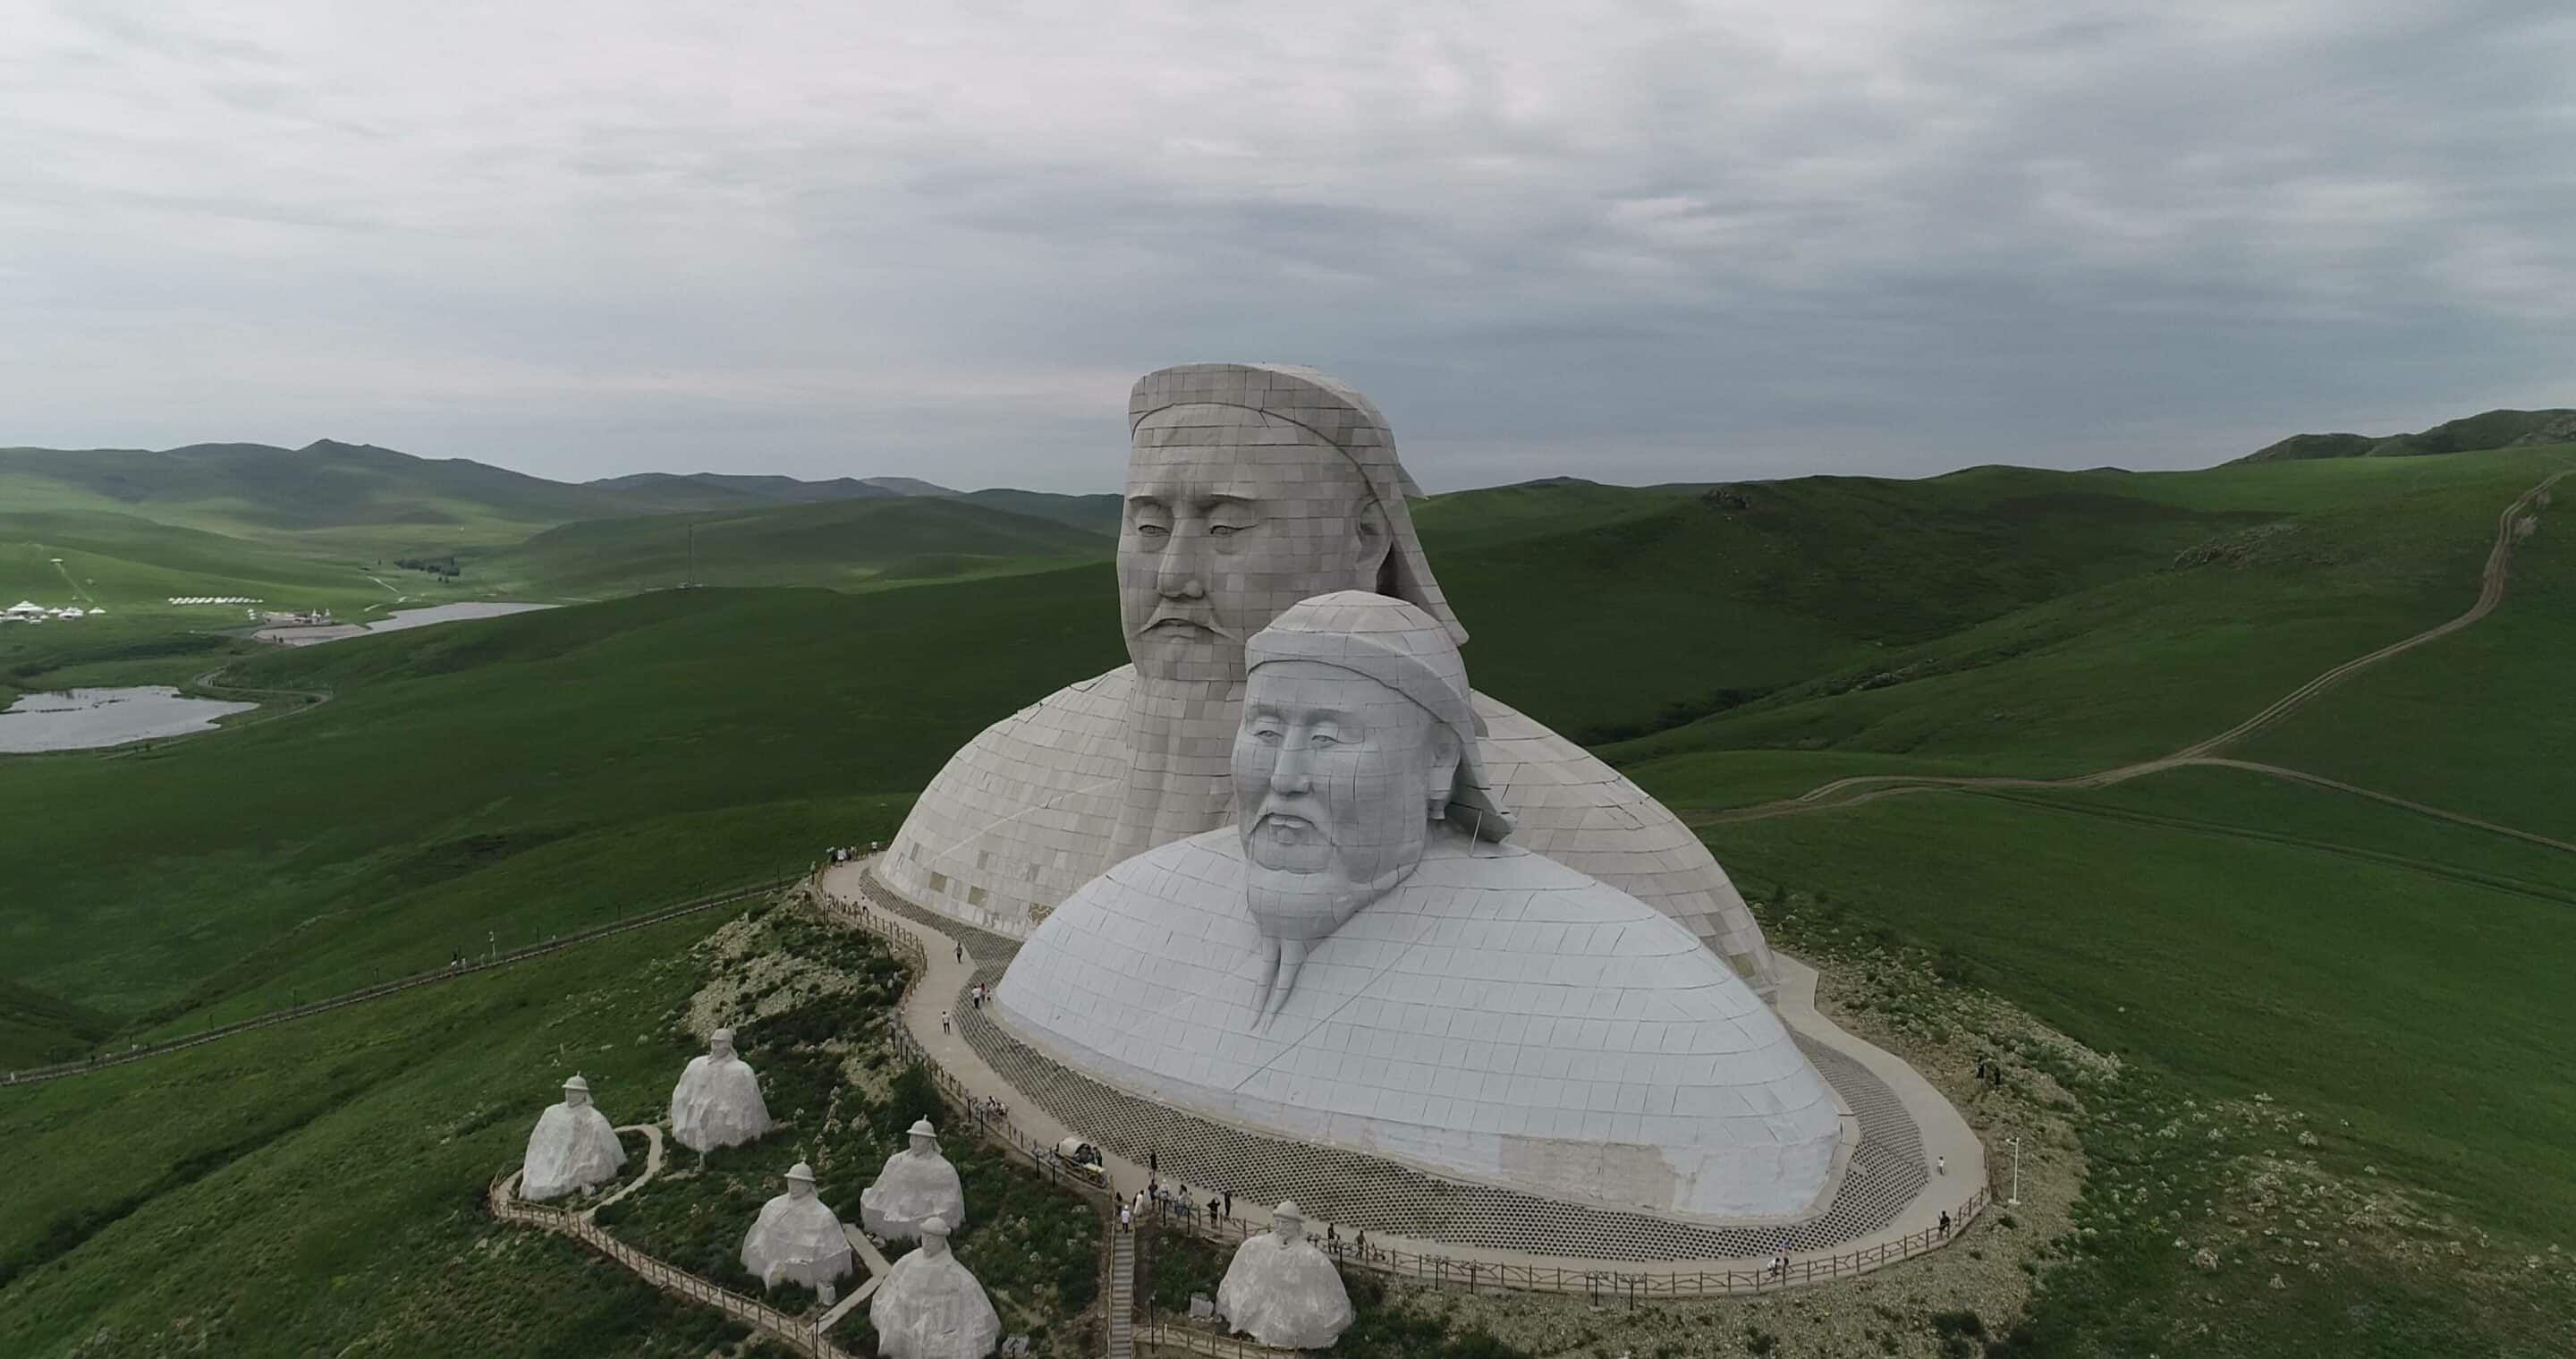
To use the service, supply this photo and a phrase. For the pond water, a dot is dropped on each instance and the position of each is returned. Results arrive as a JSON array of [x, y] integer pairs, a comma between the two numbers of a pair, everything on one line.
[[85, 719], [407, 618]]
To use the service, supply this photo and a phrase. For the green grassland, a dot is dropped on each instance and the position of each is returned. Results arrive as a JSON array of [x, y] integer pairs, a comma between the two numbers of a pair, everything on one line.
[[2483, 722], [500, 781], [843, 544], [2336, 559], [314, 1187]]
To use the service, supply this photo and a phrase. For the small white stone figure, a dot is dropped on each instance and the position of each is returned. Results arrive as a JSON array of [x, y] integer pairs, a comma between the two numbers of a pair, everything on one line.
[[797, 1239], [717, 1102], [573, 1148], [930, 1307], [1282, 1291], [917, 1183]]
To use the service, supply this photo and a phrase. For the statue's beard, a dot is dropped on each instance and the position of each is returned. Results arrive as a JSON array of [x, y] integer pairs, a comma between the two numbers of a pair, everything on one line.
[[1296, 911], [1180, 762]]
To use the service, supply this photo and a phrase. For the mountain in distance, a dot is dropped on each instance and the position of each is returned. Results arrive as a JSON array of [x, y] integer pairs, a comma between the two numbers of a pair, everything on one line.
[[671, 492], [2493, 429]]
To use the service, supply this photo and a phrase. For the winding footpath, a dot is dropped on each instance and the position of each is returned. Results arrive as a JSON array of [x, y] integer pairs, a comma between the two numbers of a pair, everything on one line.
[[1861, 788]]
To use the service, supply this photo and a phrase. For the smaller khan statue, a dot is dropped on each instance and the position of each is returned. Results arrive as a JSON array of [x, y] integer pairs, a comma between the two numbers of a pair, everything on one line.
[[797, 1239], [1282, 1291], [717, 1102], [917, 1183], [930, 1307], [573, 1148]]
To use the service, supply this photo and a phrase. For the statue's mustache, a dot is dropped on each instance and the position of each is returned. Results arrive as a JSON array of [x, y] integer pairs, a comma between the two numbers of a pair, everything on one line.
[[1174, 616]]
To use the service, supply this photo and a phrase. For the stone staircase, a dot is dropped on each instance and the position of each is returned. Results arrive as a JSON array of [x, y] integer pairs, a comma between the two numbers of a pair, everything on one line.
[[1121, 1303]]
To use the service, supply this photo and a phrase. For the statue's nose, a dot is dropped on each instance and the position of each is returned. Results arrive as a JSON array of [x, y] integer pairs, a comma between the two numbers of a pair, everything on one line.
[[1288, 774], [1179, 575]]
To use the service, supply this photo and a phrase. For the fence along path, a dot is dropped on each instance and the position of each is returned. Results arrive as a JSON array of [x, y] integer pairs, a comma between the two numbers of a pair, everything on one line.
[[383, 989], [805, 1337], [908, 938]]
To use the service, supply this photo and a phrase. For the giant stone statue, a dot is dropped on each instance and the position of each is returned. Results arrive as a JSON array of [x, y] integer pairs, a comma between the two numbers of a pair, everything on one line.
[[1249, 488], [796, 1238], [931, 1307], [1281, 1291], [717, 1102], [1363, 961], [571, 1149], [917, 1183]]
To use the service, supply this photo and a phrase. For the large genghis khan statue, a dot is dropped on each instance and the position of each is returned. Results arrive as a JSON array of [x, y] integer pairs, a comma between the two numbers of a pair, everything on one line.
[[1362, 960], [1249, 488]]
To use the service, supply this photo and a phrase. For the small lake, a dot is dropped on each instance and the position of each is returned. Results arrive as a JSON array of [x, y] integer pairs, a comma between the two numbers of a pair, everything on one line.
[[86, 719], [407, 618]]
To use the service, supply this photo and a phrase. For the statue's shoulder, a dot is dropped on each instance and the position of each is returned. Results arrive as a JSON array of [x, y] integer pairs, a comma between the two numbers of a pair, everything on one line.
[[1184, 871], [1508, 884]]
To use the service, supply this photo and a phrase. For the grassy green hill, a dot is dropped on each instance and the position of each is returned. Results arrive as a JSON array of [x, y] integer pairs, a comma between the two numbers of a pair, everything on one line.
[[841, 544], [2493, 429], [2392, 975]]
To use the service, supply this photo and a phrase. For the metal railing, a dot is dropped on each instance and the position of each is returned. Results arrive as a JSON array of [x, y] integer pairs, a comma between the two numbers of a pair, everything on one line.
[[1446, 1271]]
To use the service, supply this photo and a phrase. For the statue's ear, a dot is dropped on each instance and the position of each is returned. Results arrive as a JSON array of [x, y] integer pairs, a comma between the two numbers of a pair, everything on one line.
[[1375, 544]]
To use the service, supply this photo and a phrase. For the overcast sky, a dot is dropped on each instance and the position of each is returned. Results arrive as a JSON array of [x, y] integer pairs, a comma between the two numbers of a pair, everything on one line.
[[1635, 243]]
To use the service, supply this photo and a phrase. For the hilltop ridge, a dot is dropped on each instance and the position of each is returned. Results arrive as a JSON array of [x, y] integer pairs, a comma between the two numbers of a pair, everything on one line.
[[2489, 429]]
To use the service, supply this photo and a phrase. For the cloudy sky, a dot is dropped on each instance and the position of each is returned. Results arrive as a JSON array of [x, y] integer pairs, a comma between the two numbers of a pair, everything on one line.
[[1632, 242]]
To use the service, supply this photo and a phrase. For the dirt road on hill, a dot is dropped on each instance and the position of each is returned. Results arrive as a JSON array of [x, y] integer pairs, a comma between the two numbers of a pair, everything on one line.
[[1860, 788]]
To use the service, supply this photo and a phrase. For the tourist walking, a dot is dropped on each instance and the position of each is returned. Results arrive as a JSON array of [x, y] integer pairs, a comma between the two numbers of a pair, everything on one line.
[[1124, 1223], [1229, 1203], [1940, 1165], [943, 1021], [961, 950], [1945, 1224]]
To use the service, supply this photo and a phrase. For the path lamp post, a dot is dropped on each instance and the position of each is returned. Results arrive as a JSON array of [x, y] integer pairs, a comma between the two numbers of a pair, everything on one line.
[[491, 945], [2015, 1144]]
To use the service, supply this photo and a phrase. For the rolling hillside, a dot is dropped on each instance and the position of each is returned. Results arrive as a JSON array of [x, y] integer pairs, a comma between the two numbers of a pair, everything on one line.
[[2494, 429], [841, 544], [2228, 934]]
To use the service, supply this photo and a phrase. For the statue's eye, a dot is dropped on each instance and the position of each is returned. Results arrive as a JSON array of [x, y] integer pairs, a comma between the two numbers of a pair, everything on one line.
[[1266, 735], [1323, 739], [1152, 530]]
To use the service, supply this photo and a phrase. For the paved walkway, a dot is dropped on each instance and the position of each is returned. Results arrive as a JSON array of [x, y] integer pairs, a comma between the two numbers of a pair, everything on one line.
[[952, 967]]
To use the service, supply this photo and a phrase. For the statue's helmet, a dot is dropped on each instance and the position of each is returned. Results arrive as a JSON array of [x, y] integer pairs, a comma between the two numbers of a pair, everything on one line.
[[576, 1086], [1406, 649], [934, 1225], [922, 1128], [801, 1171], [723, 1036]]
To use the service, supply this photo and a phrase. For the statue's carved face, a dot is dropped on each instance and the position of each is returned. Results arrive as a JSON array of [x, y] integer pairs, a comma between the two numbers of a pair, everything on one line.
[[1231, 517], [800, 1188], [1333, 772], [1289, 1228], [576, 1098], [934, 1244], [923, 1144], [722, 1047]]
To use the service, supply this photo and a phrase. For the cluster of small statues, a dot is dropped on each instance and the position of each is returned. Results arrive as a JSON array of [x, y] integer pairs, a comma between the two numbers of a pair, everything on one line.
[[929, 1306]]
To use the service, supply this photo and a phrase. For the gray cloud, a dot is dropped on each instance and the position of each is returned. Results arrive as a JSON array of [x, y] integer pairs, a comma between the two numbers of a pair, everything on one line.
[[1647, 242]]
